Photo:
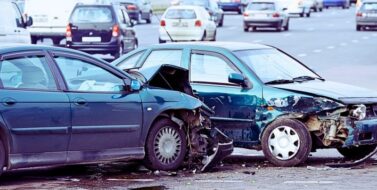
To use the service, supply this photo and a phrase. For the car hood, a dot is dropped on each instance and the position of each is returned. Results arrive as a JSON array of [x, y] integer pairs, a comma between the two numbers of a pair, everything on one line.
[[344, 93]]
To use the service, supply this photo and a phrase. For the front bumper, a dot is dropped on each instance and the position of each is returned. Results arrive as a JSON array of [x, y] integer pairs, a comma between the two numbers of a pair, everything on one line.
[[362, 132]]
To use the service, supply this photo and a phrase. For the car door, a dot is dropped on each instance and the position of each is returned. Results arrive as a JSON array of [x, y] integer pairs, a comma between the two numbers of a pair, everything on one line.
[[129, 34], [106, 119], [35, 110], [235, 106]]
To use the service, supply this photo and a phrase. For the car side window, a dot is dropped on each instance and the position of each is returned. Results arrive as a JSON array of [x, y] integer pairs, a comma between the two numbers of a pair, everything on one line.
[[162, 57], [29, 72], [121, 16], [210, 69], [131, 61], [82, 76]]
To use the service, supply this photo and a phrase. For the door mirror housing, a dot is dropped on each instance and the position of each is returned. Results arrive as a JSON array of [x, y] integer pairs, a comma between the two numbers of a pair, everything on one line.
[[284, 9], [29, 21], [135, 85], [237, 78]]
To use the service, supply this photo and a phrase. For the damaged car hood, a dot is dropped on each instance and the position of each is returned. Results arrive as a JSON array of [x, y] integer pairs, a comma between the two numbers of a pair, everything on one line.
[[344, 93]]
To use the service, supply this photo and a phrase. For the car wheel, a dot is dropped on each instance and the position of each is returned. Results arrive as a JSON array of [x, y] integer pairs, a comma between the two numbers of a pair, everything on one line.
[[320, 9], [358, 27], [161, 41], [308, 14], [56, 41], [301, 14], [286, 27], [204, 36], [166, 146], [34, 40], [254, 28], [280, 25], [356, 153], [2, 156], [221, 23], [245, 28], [241, 10], [286, 142], [214, 37], [149, 20], [119, 52]]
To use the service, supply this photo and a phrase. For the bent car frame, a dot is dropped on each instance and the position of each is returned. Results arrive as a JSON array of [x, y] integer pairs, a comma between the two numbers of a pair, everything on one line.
[[61, 106], [266, 100]]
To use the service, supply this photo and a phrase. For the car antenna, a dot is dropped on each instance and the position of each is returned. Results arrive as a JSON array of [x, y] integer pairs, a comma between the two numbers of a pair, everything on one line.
[[159, 21]]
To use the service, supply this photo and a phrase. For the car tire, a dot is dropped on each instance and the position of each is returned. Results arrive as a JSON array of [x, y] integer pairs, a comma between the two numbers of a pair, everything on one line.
[[119, 52], [163, 132], [246, 29], [149, 20], [161, 41], [286, 27], [221, 23], [356, 153], [34, 40], [204, 36], [301, 14], [279, 27], [294, 142], [358, 28], [241, 10], [308, 14], [2, 156], [56, 41], [320, 9], [214, 37]]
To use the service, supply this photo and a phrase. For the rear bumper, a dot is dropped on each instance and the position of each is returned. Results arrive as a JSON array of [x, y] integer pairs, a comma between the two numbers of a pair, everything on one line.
[[262, 23], [230, 6], [362, 133], [192, 35], [367, 23], [334, 4], [95, 47]]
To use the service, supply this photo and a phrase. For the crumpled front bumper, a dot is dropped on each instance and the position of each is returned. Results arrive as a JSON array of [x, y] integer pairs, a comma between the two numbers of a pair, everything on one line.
[[362, 132]]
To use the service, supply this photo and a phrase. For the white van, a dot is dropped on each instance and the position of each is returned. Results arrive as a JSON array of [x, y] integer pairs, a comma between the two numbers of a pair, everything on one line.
[[12, 24], [50, 18]]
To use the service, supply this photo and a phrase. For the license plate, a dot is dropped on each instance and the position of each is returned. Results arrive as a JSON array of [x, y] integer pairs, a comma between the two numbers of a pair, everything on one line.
[[91, 39], [180, 24], [259, 15]]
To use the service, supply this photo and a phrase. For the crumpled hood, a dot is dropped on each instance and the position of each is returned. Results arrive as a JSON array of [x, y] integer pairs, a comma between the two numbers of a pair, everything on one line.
[[344, 93]]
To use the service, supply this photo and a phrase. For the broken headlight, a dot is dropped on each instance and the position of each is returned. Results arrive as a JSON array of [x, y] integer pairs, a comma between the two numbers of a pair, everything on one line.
[[358, 112]]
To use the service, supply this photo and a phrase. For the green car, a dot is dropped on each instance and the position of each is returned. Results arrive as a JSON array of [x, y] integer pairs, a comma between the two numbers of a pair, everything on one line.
[[265, 99]]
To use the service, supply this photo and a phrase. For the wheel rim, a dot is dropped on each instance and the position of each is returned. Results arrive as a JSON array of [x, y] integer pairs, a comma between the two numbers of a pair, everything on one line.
[[167, 145], [284, 142]]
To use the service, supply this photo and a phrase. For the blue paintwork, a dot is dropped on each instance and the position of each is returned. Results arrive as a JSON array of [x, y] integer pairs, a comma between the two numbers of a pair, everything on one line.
[[335, 3], [231, 6], [241, 112], [62, 126]]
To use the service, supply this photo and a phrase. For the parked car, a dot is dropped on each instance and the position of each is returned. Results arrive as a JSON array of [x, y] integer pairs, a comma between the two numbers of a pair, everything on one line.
[[138, 10], [50, 19], [233, 5], [211, 6], [265, 99], [13, 26], [186, 23], [61, 106], [366, 16], [298, 7], [345, 4], [315, 5], [265, 13], [101, 29]]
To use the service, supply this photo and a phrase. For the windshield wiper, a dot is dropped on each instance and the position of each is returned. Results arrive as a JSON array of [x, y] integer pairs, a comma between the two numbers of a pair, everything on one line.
[[280, 81], [306, 78]]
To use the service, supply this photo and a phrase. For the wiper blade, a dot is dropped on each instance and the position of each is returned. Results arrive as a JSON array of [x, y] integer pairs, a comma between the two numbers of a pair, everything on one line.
[[280, 81], [305, 78]]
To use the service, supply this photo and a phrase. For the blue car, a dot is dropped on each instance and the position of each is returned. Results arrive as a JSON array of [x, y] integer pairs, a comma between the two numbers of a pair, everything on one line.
[[265, 99], [61, 106], [345, 4], [233, 5]]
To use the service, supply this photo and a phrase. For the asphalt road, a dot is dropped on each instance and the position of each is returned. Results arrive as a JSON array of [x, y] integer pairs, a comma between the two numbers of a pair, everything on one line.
[[327, 42]]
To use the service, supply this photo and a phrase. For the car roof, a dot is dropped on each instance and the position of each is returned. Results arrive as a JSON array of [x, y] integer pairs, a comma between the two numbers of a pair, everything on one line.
[[12, 47], [231, 46]]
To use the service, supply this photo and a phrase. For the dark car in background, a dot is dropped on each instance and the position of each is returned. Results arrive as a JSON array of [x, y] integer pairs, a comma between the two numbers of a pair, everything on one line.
[[366, 15], [101, 29], [217, 14], [233, 5], [265, 99], [60, 106], [345, 4], [138, 10]]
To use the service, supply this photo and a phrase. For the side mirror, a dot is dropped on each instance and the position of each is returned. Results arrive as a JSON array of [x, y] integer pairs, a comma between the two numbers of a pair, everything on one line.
[[29, 21], [135, 85], [237, 78], [284, 9]]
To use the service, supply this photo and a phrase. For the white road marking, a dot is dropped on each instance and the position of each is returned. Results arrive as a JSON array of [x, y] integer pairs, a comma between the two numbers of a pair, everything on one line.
[[343, 44], [330, 47], [309, 182], [302, 55], [317, 51], [219, 181], [232, 28], [374, 35], [310, 29], [365, 37], [355, 41], [287, 34]]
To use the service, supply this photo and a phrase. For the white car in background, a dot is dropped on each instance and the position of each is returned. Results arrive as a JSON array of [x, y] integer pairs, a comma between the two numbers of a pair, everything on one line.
[[13, 25], [186, 23], [298, 7]]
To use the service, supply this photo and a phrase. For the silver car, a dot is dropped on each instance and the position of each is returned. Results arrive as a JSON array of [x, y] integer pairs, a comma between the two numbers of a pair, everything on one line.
[[265, 14], [366, 15]]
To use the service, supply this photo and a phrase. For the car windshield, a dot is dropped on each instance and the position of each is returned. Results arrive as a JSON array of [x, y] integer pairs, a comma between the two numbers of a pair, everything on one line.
[[92, 15], [369, 7], [202, 3], [180, 14], [262, 6], [272, 65]]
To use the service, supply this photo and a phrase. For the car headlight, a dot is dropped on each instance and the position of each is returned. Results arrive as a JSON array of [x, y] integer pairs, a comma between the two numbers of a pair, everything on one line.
[[359, 112]]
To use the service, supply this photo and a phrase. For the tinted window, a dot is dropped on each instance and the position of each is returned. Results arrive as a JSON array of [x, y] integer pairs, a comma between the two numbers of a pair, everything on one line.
[[92, 15], [261, 6], [130, 62], [201, 3], [180, 14], [369, 7], [209, 68], [162, 57], [82, 76], [30, 72], [271, 64]]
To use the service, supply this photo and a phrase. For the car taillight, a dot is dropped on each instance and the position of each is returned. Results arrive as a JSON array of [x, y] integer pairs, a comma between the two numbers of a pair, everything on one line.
[[245, 14], [116, 30], [131, 7], [68, 31], [275, 15], [198, 23], [163, 23], [359, 14]]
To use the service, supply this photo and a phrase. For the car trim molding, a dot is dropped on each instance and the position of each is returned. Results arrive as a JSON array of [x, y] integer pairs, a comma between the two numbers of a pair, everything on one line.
[[104, 129], [40, 130]]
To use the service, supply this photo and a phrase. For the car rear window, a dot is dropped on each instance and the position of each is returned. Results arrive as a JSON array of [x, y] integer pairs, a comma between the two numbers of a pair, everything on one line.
[[261, 6], [180, 14], [369, 7], [92, 15], [201, 3]]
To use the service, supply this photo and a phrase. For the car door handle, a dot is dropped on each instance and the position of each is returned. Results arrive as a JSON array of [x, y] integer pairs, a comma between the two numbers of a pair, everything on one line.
[[80, 102], [9, 101]]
